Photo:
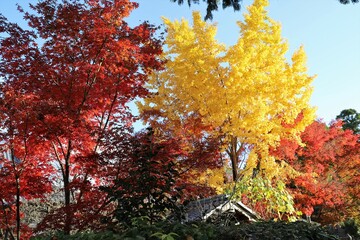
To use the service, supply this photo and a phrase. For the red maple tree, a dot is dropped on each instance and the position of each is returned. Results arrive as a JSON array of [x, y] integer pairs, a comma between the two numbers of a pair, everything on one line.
[[328, 163], [75, 72], [154, 172], [24, 169]]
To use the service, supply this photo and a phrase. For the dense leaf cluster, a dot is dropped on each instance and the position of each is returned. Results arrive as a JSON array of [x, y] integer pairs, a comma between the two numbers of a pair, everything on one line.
[[328, 163], [203, 231], [351, 120]]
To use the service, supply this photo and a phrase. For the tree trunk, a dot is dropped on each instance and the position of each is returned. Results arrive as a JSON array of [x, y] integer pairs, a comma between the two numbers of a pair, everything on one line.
[[234, 163], [234, 157], [18, 219], [17, 197], [67, 226], [67, 192]]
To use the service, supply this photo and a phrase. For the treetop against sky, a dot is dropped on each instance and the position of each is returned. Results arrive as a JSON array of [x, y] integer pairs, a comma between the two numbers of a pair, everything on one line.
[[328, 30]]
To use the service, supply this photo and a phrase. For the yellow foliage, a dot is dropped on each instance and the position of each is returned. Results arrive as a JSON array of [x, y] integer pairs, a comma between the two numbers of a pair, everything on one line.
[[249, 90], [213, 178]]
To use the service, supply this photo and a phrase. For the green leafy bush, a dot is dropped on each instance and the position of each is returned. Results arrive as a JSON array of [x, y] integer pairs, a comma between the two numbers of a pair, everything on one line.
[[269, 199], [142, 230], [80, 236]]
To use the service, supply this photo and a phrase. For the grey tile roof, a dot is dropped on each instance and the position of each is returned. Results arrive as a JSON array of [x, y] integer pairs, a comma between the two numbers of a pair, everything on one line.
[[204, 208]]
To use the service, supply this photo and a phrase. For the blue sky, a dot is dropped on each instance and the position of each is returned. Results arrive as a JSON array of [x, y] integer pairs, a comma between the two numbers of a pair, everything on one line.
[[329, 31]]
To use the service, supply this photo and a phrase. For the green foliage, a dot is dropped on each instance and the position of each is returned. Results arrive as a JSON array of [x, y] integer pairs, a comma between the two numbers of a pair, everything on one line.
[[351, 120], [212, 5], [348, 1], [270, 200], [352, 228], [169, 231], [203, 231], [163, 236], [261, 230], [83, 236], [275, 230]]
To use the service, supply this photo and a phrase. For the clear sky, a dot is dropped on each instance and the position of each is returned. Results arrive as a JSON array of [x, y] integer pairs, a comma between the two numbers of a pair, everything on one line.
[[329, 31]]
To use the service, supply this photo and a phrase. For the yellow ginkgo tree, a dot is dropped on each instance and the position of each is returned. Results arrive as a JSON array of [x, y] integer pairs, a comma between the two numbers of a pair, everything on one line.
[[249, 93]]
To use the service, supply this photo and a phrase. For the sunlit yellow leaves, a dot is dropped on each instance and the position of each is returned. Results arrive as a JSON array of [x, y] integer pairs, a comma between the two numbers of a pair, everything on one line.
[[249, 90], [213, 178]]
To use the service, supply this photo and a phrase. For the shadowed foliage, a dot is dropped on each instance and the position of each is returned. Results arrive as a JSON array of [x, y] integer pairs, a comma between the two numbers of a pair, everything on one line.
[[348, 1], [351, 120], [212, 5]]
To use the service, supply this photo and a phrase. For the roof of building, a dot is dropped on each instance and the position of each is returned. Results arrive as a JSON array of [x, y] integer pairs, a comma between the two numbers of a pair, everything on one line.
[[202, 209]]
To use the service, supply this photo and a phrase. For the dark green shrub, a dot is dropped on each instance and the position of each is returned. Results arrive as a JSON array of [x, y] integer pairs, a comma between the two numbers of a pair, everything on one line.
[[275, 231], [80, 236], [141, 229]]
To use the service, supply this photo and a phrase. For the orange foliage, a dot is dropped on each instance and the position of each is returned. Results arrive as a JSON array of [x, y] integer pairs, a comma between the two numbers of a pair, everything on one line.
[[329, 165]]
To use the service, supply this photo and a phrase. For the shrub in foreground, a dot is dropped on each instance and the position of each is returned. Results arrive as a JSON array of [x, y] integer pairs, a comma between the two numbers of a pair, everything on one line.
[[270, 230]]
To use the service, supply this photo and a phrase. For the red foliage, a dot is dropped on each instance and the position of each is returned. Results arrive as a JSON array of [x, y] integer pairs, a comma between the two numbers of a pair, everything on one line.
[[24, 168], [72, 77], [153, 173], [286, 151], [203, 151], [328, 164]]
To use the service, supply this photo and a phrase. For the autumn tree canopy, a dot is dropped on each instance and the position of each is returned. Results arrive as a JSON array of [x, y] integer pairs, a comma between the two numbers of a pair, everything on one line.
[[247, 93], [71, 77], [65, 124], [154, 173], [328, 163]]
